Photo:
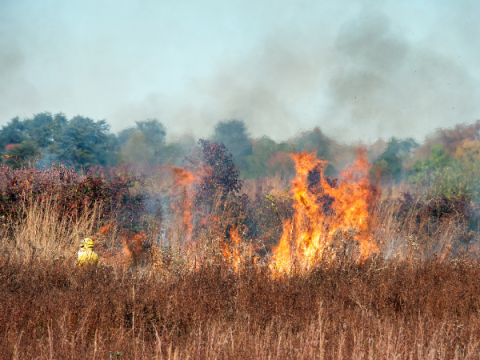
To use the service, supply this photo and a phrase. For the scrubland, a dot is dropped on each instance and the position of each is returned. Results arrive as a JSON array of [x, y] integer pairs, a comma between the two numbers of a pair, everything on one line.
[[191, 271]]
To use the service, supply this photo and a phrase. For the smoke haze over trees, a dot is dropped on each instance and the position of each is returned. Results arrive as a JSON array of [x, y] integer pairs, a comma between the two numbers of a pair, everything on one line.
[[360, 70], [448, 159]]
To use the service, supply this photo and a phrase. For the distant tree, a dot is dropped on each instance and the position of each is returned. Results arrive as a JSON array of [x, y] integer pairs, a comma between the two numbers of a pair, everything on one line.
[[154, 131], [143, 143], [234, 135], [468, 151], [262, 151], [390, 163], [215, 172], [137, 149], [175, 152], [85, 142], [124, 135], [438, 159], [81, 142], [435, 171], [21, 154], [25, 140], [445, 176], [12, 133], [40, 129], [314, 140], [268, 158]]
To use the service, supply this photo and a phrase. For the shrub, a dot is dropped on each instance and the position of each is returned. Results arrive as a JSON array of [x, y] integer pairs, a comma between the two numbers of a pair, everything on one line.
[[73, 192]]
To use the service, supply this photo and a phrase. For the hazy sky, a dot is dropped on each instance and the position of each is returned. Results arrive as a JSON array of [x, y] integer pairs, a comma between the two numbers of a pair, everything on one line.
[[359, 70]]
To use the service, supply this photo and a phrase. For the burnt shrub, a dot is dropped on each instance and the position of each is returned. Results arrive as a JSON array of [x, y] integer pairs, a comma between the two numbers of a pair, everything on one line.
[[427, 215], [215, 172], [266, 214], [215, 191]]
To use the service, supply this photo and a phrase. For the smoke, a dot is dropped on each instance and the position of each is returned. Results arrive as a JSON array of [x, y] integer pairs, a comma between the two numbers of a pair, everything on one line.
[[15, 89], [359, 71], [390, 86], [368, 82]]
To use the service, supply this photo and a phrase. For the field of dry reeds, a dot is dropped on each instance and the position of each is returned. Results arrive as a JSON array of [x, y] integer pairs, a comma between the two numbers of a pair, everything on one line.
[[191, 286]]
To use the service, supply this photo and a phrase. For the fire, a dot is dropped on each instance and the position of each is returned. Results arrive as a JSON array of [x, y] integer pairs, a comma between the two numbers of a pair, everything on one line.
[[132, 251], [238, 252], [328, 218], [448, 248], [181, 176], [182, 182], [106, 230], [133, 247]]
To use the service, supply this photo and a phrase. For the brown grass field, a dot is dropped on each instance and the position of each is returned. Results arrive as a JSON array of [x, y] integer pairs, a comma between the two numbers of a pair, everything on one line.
[[377, 310], [409, 305]]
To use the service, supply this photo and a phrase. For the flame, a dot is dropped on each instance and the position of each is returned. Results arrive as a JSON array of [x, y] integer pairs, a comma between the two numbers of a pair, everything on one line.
[[448, 248], [182, 182], [106, 229], [237, 253], [131, 253], [181, 176], [132, 247], [326, 215]]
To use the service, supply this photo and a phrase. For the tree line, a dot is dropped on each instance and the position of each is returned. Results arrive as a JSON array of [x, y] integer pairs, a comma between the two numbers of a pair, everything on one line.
[[447, 162], [82, 142]]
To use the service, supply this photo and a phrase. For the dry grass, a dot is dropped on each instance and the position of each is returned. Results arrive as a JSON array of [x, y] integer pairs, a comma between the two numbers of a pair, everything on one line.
[[40, 233], [416, 237], [378, 310], [258, 187], [408, 302]]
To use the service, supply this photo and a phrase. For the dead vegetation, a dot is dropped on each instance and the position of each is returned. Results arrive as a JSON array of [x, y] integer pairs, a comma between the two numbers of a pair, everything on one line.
[[195, 286], [381, 309]]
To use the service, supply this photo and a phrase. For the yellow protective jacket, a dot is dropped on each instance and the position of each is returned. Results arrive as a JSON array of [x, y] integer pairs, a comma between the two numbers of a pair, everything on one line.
[[87, 257]]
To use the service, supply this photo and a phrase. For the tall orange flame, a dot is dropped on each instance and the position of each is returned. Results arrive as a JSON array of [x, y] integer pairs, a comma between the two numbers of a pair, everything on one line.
[[182, 181], [326, 215]]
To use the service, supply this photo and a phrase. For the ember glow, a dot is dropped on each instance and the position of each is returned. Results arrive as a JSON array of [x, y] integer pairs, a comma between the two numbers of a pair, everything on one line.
[[330, 219]]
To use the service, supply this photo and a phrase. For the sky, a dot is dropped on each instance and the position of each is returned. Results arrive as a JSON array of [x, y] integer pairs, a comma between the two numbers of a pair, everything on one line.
[[359, 70]]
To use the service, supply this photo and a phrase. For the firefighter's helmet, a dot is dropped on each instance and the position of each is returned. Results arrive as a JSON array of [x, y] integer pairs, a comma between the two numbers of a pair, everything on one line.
[[87, 243]]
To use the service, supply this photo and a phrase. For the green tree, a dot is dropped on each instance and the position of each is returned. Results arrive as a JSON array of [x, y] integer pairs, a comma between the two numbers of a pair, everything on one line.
[[21, 154], [143, 143], [391, 162], [437, 160], [267, 158], [174, 152], [443, 175], [12, 133], [314, 140], [25, 140], [81, 142], [84, 142], [137, 149], [234, 135], [40, 129]]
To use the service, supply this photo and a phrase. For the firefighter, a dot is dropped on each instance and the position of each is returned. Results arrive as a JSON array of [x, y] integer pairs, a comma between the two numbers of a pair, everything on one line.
[[86, 255]]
